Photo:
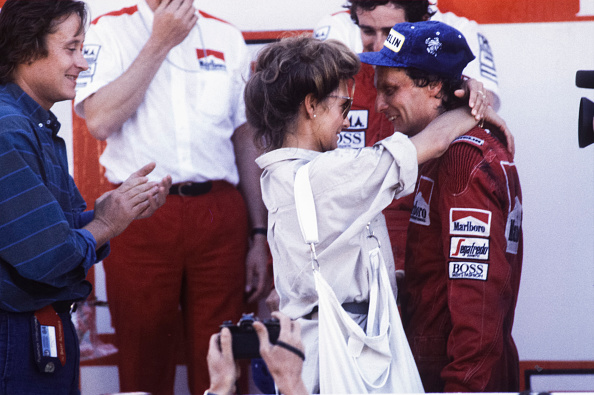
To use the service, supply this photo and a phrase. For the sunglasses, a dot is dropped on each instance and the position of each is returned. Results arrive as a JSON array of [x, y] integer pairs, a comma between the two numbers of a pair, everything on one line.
[[348, 102]]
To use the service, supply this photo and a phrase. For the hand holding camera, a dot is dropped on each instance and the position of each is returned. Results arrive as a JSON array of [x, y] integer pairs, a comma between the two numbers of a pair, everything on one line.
[[245, 342], [285, 358], [277, 339]]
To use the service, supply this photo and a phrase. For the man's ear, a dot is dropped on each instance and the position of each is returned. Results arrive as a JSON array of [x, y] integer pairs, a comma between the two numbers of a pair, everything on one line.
[[434, 88]]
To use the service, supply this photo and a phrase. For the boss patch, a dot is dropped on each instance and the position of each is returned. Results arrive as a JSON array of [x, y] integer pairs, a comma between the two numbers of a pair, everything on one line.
[[468, 271], [354, 136]]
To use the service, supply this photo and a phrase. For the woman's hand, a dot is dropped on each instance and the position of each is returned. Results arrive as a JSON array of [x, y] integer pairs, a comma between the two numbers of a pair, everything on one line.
[[478, 100]]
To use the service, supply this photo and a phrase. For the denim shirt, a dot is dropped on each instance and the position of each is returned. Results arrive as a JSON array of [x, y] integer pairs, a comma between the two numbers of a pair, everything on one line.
[[44, 253]]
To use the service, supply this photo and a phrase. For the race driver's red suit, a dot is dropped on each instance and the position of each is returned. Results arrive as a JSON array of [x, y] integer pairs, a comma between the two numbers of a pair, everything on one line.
[[463, 265]]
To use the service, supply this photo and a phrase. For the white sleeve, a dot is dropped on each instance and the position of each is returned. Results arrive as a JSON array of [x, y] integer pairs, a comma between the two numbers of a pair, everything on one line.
[[240, 79], [367, 177], [101, 52], [340, 27]]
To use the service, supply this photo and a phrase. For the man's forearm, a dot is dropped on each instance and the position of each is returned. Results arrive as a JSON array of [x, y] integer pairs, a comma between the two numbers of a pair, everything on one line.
[[107, 109], [249, 175]]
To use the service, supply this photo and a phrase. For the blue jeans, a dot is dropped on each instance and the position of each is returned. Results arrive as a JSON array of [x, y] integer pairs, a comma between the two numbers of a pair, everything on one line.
[[19, 374]]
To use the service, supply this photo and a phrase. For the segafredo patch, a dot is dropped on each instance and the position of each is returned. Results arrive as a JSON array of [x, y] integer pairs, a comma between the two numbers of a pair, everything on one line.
[[469, 248]]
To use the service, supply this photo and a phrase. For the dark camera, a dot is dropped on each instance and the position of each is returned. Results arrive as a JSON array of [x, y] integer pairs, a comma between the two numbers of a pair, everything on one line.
[[585, 79], [246, 344]]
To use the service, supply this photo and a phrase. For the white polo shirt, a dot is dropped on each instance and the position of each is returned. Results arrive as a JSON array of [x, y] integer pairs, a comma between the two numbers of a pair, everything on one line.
[[191, 108]]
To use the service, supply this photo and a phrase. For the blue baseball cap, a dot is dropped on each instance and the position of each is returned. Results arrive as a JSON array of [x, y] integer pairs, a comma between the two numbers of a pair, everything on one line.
[[431, 46]]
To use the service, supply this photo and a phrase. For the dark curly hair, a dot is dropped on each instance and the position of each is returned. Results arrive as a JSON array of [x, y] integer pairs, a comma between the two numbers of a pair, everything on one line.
[[414, 10], [24, 26], [285, 73], [449, 101]]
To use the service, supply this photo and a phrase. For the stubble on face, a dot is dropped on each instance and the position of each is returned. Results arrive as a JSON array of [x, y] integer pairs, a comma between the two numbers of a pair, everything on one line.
[[408, 107]]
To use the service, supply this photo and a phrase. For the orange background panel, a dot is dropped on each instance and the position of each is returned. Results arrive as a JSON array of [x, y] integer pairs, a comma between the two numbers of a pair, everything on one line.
[[88, 173], [515, 11], [510, 11]]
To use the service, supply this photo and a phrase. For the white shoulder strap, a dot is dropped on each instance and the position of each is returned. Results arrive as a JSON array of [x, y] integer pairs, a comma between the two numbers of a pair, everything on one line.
[[306, 209]]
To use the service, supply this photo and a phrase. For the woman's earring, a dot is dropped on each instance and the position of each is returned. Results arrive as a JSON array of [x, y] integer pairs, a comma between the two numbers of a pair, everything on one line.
[[315, 115]]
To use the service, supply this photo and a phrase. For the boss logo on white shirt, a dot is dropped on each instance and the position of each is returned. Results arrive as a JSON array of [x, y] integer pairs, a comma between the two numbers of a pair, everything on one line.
[[90, 53], [469, 248], [469, 221], [354, 136], [468, 271], [421, 205], [348, 139]]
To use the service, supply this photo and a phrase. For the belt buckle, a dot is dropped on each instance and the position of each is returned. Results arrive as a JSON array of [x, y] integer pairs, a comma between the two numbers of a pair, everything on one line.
[[181, 185]]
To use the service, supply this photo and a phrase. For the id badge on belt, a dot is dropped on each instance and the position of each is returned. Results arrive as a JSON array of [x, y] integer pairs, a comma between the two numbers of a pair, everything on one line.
[[47, 331]]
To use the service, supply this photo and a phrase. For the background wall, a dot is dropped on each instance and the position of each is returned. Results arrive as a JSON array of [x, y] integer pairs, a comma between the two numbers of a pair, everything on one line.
[[536, 58], [538, 47]]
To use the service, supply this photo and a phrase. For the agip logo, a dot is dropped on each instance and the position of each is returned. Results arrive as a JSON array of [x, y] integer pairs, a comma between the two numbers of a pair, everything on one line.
[[322, 33], [90, 53]]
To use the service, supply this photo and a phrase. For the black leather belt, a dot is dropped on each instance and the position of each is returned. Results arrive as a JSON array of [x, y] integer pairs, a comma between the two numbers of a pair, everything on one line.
[[190, 188], [64, 306], [351, 307]]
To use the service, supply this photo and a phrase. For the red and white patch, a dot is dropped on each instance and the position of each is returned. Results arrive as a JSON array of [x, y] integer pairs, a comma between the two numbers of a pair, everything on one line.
[[513, 228], [471, 222], [422, 203], [210, 59], [469, 248]]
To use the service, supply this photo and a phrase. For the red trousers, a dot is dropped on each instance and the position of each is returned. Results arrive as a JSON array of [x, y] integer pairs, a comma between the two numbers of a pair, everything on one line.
[[175, 277]]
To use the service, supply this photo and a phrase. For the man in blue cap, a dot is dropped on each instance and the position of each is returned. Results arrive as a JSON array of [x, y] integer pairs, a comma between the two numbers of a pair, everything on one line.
[[464, 243]]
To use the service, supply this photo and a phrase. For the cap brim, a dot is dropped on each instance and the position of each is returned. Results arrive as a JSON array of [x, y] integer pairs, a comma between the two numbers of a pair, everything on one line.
[[378, 59]]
